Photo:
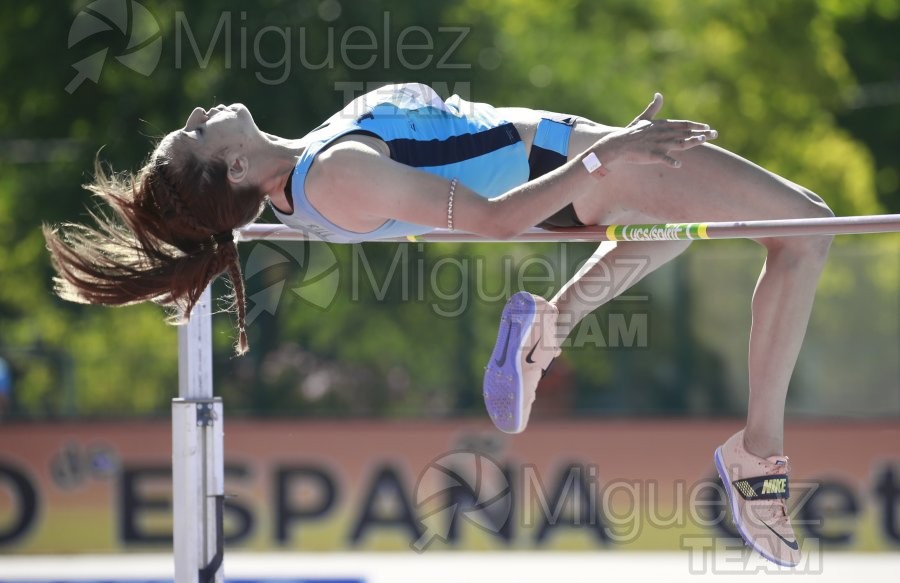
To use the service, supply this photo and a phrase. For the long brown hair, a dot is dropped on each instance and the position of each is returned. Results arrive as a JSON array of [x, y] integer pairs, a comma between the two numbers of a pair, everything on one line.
[[168, 236]]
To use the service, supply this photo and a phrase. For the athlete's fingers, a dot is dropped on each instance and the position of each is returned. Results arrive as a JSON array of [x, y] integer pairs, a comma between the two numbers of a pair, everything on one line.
[[651, 110], [690, 142], [669, 161], [683, 125], [681, 136]]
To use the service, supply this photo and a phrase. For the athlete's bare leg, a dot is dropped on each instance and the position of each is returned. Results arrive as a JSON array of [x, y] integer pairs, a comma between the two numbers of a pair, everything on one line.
[[713, 185]]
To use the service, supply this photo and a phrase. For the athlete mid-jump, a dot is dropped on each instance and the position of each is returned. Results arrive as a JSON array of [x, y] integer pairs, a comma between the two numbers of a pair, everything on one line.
[[402, 161]]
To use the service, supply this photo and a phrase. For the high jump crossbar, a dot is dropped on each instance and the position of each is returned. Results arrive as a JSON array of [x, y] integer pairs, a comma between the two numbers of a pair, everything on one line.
[[198, 473], [639, 232]]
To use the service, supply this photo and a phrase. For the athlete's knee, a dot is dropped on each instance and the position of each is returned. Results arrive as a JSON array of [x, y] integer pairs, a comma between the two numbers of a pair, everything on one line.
[[805, 250], [818, 208], [812, 205], [809, 251], [818, 246]]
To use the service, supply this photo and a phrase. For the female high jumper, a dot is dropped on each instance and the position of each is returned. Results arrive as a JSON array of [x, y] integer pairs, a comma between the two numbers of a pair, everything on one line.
[[402, 161]]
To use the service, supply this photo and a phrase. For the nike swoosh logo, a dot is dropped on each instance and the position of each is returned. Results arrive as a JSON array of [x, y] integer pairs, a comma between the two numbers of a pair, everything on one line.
[[793, 544], [502, 360], [531, 353]]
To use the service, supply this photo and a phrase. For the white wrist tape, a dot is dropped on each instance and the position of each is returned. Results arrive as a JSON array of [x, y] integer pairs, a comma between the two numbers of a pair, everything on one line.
[[591, 162]]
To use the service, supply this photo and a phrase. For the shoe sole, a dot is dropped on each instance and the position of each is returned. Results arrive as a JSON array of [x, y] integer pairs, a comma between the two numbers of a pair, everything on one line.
[[735, 511], [503, 390]]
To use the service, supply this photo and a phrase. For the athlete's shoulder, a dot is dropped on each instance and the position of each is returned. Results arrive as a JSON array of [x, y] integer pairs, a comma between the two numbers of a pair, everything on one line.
[[345, 160]]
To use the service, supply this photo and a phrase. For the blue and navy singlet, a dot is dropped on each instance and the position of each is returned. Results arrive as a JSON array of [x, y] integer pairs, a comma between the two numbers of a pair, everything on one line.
[[452, 138]]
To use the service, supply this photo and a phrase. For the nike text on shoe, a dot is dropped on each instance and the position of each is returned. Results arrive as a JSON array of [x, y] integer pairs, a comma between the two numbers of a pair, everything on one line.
[[757, 489], [526, 344]]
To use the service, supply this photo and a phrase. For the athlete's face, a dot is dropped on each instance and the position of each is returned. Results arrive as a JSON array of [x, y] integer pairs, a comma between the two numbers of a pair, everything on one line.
[[216, 131], [227, 134]]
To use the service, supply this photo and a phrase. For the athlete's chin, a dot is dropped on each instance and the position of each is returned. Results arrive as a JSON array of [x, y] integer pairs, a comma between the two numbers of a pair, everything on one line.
[[240, 109], [244, 115]]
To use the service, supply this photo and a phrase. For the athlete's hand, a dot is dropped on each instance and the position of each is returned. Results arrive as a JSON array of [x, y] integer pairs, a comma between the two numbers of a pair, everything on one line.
[[650, 111], [650, 141]]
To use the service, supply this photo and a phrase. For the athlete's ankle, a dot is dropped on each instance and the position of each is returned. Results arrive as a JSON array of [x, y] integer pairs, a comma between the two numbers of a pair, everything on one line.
[[762, 446], [565, 322]]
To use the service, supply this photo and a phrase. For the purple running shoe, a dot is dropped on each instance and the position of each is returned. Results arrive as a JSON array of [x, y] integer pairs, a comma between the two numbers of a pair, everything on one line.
[[526, 344]]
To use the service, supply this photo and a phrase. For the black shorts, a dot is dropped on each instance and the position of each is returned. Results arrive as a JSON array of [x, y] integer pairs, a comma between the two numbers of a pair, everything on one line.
[[549, 151]]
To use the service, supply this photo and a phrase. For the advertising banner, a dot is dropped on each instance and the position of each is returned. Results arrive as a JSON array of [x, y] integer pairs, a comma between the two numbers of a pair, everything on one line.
[[312, 485]]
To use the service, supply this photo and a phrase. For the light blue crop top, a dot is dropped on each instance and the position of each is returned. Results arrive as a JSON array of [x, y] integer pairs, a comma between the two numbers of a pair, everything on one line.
[[452, 138]]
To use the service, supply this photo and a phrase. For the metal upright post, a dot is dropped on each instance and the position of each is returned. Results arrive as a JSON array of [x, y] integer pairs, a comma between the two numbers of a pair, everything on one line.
[[198, 488]]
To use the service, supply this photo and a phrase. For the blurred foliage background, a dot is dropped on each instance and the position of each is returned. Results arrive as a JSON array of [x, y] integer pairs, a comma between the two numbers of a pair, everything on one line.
[[807, 88]]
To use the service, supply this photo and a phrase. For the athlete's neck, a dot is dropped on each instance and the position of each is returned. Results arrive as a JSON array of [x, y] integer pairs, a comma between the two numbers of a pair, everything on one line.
[[279, 197], [279, 157]]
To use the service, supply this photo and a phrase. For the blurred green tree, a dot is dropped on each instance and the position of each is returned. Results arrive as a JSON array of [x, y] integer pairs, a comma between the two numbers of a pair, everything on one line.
[[774, 80]]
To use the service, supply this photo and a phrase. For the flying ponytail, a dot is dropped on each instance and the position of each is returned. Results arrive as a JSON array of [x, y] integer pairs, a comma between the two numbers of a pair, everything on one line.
[[167, 237]]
